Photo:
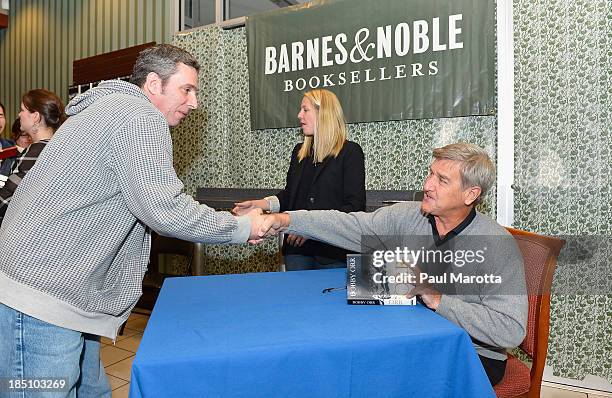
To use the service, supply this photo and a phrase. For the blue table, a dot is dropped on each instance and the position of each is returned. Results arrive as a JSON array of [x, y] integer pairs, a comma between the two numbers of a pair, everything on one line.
[[276, 335]]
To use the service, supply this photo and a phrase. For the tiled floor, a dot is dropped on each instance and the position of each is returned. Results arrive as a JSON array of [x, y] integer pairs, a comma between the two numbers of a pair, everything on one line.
[[118, 359]]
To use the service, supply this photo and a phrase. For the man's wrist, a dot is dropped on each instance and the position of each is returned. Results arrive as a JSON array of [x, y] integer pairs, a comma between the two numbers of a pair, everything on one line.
[[436, 301], [243, 229], [285, 219]]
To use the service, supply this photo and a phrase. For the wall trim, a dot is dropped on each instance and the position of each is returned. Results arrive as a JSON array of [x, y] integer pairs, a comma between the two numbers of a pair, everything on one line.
[[505, 113]]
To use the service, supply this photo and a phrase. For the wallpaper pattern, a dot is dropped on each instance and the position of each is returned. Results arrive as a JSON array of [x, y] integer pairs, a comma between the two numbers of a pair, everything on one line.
[[563, 156]]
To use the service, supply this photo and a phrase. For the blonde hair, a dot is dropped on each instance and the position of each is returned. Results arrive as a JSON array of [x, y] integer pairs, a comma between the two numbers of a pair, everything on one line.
[[330, 129], [476, 167]]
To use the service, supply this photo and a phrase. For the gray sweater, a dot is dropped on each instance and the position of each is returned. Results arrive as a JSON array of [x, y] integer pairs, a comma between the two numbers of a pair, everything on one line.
[[491, 318], [75, 243]]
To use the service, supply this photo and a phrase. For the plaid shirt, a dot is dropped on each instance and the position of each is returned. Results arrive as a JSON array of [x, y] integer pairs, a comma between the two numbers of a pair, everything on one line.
[[23, 164], [75, 242]]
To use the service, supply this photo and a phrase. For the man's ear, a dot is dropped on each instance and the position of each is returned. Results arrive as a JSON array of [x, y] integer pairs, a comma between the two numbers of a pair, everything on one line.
[[153, 84], [470, 195]]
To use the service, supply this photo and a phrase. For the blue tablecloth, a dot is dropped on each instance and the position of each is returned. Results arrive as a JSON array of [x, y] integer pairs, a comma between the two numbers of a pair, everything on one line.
[[277, 335]]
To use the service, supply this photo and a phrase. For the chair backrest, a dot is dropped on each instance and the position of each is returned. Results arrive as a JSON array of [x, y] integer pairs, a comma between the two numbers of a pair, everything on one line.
[[540, 259]]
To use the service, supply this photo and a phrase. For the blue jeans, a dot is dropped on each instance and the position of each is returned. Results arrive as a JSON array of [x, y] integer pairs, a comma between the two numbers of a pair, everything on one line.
[[33, 350], [298, 262]]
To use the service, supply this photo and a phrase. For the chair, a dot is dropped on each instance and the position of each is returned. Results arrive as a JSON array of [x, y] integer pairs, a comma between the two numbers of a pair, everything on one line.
[[540, 257], [153, 279]]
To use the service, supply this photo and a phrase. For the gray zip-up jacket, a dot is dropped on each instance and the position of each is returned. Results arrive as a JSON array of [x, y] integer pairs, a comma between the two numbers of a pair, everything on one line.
[[74, 241], [495, 316]]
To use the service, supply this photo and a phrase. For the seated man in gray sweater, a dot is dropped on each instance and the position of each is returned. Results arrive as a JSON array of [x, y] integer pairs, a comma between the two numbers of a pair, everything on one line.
[[493, 314]]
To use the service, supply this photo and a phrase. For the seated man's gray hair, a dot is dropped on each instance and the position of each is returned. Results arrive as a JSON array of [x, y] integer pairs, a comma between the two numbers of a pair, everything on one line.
[[162, 59], [476, 167]]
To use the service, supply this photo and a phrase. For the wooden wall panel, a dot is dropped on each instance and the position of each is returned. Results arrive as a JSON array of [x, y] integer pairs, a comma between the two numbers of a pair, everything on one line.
[[44, 37], [109, 65]]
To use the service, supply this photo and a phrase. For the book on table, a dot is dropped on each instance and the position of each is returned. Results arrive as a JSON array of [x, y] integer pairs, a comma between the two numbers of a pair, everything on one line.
[[368, 283]]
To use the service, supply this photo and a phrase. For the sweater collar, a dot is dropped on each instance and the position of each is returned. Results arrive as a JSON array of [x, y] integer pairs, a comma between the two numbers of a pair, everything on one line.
[[453, 232]]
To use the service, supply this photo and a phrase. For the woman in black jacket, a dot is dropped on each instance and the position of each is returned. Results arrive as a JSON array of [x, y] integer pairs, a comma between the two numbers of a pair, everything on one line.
[[327, 172]]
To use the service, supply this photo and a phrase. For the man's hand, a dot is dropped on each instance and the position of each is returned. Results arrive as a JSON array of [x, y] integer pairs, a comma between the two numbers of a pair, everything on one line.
[[257, 218], [266, 225], [273, 224], [296, 240], [243, 208], [430, 296]]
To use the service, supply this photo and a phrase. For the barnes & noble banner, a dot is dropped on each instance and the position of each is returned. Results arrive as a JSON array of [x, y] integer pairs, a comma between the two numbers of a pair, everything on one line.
[[384, 59]]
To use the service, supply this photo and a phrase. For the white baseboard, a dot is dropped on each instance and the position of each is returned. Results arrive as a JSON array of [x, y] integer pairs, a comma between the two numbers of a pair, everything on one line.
[[590, 382]]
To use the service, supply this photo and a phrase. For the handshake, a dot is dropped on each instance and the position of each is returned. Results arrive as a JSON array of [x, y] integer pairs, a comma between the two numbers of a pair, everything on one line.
[[262, 225]]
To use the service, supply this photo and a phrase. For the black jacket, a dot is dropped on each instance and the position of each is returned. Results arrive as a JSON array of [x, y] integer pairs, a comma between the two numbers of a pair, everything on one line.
[[338, 184]]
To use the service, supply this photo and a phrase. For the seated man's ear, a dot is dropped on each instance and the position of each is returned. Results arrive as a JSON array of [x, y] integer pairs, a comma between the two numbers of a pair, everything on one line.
[[470, 195]]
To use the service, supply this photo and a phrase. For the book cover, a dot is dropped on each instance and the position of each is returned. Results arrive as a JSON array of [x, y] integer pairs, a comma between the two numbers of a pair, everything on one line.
[[8, 152], [375, 284]]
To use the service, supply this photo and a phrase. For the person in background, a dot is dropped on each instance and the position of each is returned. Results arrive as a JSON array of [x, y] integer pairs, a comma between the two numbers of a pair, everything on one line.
[[494, 315], [22, 139], [42, 112], [5, 164], [2, 118], [76, 237], [326, 172]]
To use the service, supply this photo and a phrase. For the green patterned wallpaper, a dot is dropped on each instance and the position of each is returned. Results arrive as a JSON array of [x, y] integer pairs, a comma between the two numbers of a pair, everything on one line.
[[563, 156], [216, 148]]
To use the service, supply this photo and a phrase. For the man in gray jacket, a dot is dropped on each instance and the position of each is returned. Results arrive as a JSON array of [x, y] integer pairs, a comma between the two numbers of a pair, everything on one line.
[[493, 314], [76, 236]]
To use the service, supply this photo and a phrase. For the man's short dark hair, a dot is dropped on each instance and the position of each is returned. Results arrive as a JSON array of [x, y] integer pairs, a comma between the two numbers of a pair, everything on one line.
[[162, 59]]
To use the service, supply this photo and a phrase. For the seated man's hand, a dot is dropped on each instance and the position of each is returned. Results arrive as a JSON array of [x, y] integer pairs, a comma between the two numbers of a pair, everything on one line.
[[273, 224], [430, 296]]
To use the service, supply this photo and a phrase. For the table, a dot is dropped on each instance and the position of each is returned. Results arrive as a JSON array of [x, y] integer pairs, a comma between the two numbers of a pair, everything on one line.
[[278, 335]]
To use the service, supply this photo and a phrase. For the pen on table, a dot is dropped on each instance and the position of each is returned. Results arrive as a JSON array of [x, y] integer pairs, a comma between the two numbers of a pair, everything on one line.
[[331, 289]]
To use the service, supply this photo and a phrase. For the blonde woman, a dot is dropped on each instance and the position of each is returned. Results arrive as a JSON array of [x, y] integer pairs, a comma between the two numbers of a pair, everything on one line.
[[327, 172]]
